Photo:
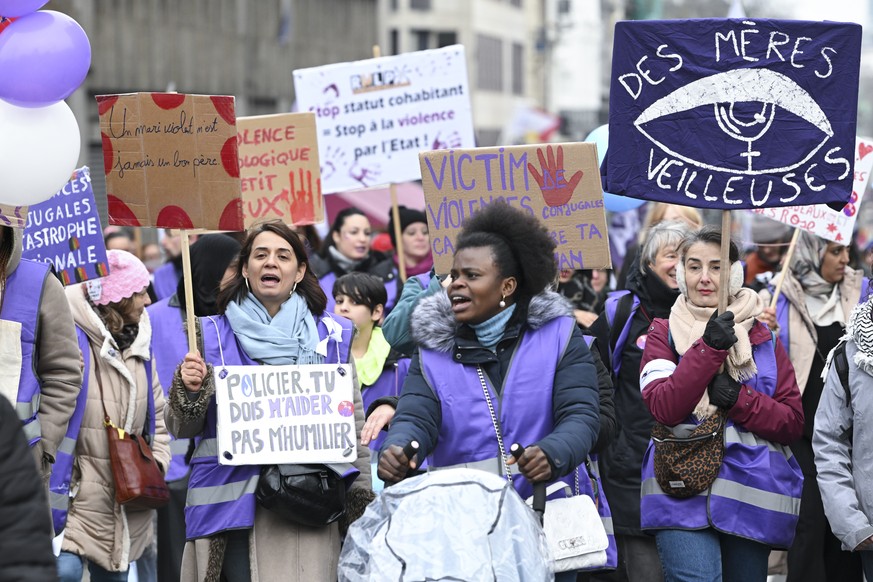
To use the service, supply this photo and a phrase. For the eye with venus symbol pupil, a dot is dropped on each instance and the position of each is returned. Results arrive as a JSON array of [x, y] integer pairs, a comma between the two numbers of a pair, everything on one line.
[[746, 103]]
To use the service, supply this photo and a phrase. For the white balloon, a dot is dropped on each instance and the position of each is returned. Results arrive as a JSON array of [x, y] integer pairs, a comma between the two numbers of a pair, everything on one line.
[[39, 150]]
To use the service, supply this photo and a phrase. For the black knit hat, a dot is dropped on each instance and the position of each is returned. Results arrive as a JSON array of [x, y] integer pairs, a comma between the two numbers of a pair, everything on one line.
[[407, 216]]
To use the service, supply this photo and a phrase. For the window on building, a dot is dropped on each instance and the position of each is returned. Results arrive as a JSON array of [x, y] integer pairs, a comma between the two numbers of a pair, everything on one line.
[[489, 63], [516, 3], [517, 69], [422, 39], [394, 41], [446, 39], [564, 6], [419, 4], [393, 5]]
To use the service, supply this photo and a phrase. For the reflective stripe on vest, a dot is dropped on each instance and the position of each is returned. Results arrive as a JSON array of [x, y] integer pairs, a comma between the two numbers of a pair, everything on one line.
[[22, 297], [221, 497], [757, 477]]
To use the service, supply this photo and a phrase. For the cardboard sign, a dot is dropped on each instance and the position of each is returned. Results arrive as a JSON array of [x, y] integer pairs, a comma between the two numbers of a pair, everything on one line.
[[14, 216], [279, 171], [559, 184], [285, 414], [735, 113], [823, 221], [171, 160], [374, 116], [65, 231]]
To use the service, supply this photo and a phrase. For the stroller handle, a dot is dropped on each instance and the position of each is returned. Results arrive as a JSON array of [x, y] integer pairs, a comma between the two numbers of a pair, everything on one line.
[[539, 489]]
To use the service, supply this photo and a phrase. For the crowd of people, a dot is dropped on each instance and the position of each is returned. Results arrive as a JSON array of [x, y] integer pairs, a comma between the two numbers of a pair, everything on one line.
[[576, 366]]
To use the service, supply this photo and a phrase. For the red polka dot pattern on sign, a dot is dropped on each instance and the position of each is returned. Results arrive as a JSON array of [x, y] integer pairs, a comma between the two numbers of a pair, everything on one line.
[[173, 217], [168, 100], [232, 216], [230, 157], [108, 153], [224, 107], [120, 213], [105, 103]]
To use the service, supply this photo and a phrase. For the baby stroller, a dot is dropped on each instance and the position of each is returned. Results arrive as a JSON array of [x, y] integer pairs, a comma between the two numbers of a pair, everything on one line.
[[456, 524]]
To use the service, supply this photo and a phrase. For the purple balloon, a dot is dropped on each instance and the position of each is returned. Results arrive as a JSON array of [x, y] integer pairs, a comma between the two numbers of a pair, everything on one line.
[[16, 8], [44, 57]]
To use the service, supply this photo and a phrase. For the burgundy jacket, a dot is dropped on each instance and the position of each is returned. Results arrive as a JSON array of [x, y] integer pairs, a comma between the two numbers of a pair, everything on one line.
[[671, 399]]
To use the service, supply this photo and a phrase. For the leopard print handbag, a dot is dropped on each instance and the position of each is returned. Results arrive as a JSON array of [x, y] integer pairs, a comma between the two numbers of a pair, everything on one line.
[[685, 466]]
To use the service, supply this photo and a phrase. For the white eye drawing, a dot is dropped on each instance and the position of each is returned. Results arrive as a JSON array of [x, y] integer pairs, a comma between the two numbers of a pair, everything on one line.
[[744, 103]]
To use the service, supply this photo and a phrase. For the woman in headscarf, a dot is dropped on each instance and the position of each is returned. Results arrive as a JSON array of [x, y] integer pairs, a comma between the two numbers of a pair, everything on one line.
[[272, 313], [726, 531], [810, 316]]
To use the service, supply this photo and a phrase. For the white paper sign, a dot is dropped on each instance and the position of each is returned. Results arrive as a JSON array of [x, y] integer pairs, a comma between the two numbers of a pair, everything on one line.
[[374, 116], [285, 414], [826, 222]]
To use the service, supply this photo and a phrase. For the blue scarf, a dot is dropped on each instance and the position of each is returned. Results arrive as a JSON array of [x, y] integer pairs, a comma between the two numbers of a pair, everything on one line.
[[490, 331], [288, 338]]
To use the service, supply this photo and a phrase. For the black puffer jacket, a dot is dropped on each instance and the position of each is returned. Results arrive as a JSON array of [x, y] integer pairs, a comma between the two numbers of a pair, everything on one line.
[[621, 463], [25, 525]]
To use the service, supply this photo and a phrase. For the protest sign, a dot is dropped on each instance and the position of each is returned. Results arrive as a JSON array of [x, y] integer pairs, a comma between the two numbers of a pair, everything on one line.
[[171, 160], [733, 113], [279, 172], [13, 216], [374, 116], [558, 184], [285, 414], [65, 232], [820, 219]]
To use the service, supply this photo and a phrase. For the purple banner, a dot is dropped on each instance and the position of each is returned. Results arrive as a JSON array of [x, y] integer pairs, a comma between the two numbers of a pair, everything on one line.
[[65, 231], [729, 113]]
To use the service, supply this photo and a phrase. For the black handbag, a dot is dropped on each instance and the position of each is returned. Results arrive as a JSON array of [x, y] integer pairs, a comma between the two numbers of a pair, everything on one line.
[[311, 495]]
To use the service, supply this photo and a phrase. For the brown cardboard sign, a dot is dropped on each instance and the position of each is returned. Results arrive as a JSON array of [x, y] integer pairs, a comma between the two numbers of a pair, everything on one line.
[[171, 160], [279, 168], [557, 183]]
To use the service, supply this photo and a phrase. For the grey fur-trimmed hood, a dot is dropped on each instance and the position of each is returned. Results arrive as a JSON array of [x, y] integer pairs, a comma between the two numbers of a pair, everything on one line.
[[434, 326]]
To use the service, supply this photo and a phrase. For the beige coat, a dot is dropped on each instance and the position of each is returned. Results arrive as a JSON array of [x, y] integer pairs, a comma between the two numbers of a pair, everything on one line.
[[802, 337], [57, 364], [278, 549], [97, 527]]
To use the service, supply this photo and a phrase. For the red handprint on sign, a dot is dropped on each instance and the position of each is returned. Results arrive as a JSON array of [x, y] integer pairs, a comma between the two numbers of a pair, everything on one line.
[[556, 189]]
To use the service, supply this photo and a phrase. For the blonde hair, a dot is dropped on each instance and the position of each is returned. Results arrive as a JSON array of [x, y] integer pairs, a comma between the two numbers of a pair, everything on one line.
[[658, 210]]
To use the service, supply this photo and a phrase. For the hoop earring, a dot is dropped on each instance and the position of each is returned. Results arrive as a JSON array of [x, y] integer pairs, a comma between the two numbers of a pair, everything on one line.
[[249, 289], [502, 303], [293, 289]]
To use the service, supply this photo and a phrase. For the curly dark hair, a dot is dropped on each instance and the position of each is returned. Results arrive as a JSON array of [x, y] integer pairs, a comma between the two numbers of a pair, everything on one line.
[[521, 246], [308, 287]]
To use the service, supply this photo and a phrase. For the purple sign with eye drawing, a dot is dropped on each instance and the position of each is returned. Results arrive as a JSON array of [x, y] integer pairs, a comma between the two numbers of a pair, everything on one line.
[[374, 116], [733, 113]]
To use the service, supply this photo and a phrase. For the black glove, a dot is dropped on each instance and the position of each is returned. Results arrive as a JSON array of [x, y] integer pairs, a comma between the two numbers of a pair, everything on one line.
[[724, 391], [719, 333]]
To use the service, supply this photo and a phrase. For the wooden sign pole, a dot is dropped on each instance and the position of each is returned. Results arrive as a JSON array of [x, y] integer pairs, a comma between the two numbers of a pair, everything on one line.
[[189, 292], [724, 280], [395, 210], [786, 263]]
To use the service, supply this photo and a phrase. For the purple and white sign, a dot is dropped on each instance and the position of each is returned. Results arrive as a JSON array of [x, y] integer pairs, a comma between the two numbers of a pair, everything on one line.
[[733, 113], [374, 116], [65, 231]]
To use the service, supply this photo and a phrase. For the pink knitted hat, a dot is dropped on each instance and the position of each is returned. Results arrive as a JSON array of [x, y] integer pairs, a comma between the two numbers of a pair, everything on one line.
[[127, 276]]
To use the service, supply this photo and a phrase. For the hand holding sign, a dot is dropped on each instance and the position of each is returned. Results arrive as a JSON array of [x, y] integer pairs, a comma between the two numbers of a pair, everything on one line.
[[552, 182]]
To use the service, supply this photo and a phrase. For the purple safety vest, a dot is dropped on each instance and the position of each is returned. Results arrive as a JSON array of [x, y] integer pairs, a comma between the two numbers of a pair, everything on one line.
[[169, 346], [222, 497], [21, 300], [757, 492], [165, 281], [389, 383]]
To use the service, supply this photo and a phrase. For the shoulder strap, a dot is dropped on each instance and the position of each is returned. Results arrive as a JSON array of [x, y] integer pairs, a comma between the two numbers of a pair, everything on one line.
[[619, 312], [841, 362]]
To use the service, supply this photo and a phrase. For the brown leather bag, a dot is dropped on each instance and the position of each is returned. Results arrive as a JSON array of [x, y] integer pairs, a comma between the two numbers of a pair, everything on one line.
[[685, 466], [139, 483]]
